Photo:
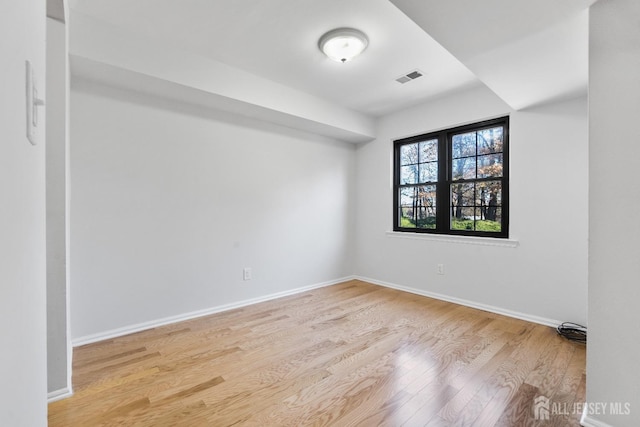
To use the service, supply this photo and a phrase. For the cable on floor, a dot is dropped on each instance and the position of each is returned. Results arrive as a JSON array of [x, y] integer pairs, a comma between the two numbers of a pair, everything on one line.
[[573, 332]]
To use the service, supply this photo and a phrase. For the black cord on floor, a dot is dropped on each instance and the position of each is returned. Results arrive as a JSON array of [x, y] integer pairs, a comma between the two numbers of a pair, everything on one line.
[[573, 332]]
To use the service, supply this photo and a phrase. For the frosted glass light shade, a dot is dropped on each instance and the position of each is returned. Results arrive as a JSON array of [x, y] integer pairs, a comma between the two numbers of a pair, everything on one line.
[[343, 44]]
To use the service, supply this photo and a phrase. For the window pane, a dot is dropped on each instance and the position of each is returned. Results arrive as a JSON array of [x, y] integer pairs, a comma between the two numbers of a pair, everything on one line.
[[429, 150], [429, 172], [463, 145], [418, 207], [489, 194], [490, 166], [490, 140], [462, 195], [464, 168], [409, 174], [407, 196], [491, 225], [409, 154], [406, 218], [463, 218], [489, 200]]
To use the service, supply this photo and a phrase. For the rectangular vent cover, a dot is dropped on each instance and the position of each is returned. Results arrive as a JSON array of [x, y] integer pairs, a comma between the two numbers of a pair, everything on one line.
[[409, 76]]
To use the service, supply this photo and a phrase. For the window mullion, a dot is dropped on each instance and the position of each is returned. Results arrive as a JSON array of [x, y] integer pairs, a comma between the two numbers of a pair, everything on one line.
[[442, 194]]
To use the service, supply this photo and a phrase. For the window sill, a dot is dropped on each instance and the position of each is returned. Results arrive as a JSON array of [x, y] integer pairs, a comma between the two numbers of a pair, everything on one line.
[[467, 240]]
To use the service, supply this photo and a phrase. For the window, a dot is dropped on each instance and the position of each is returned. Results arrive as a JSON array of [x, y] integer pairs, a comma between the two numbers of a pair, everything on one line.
[[454, 181]]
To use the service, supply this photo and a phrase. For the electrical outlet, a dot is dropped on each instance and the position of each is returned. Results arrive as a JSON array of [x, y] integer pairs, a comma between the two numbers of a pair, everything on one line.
[[440, 269], [246, 273]]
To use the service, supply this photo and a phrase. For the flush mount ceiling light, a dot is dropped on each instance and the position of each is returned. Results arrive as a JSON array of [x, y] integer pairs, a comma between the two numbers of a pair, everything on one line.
[[343, 44]]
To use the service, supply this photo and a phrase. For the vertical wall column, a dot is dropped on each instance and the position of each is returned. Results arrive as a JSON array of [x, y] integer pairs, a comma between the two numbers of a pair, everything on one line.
[[58, 352], [614, 205]]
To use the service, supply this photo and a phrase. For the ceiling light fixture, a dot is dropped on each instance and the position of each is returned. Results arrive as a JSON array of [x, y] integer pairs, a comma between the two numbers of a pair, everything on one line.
[[343, 44]]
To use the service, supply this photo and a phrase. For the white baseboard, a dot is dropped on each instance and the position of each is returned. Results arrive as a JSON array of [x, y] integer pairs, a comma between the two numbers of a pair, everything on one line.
[[587, 421], [60, 394], [114, 333], [498, 310]]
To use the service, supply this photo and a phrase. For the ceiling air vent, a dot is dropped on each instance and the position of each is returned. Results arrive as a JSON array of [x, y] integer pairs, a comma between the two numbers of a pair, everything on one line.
[[409, 76]]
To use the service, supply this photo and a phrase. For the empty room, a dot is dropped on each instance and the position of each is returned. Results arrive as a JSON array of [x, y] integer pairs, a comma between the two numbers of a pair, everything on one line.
[[339, 212]]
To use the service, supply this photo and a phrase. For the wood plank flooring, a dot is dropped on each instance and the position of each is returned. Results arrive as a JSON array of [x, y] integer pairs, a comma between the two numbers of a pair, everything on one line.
[[351, 354]]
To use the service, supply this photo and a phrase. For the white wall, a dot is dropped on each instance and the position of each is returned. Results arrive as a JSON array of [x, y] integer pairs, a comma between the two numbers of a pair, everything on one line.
[[545, 277], [58, 351], [171, 201], [22, 222], [614, 233]]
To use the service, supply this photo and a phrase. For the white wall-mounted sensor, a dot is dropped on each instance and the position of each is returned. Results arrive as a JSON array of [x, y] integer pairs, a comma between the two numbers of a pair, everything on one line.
[[33, 102]]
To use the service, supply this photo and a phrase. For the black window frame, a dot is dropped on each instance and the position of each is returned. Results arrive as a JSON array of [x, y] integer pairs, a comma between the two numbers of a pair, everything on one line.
[[444, 180]]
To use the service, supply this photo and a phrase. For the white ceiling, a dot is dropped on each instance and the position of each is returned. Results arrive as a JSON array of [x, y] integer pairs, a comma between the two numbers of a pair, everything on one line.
[[277, 40], [55, 10], [527, 52]]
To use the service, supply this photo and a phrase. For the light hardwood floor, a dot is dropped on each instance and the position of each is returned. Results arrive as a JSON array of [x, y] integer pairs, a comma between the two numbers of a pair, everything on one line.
[[349, 354]]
